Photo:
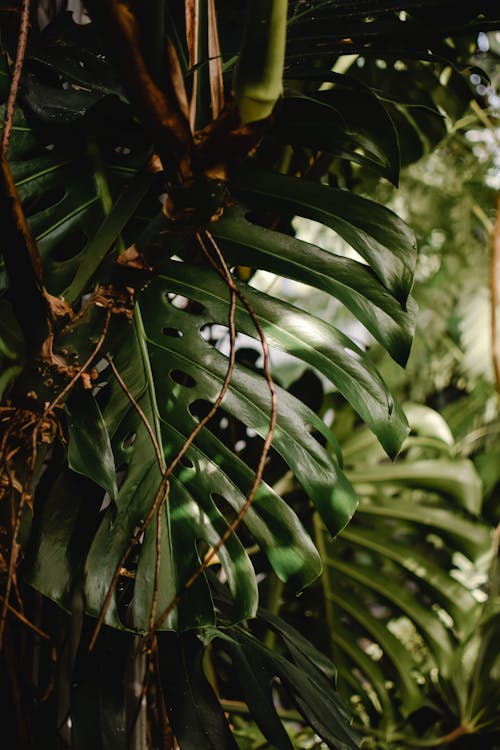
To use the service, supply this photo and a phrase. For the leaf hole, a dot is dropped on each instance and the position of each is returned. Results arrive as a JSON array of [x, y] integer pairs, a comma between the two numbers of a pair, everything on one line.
[[223, 505], [129, 440], [123, 150], [172, 332], [206, 332], [106, 502], [185, 304], [102, 365], [121, 475], [200, 408], [69, 247], [40, 202], [185, 461], [182, 378]]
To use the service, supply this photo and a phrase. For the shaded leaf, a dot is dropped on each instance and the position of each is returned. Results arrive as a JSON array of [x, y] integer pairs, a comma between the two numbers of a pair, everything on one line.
[[194, 712], [89, 449], [98, 702], [345, 119]]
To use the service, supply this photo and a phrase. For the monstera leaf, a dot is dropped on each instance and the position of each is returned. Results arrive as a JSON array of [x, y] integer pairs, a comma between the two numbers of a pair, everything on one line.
[[171, 372], [396, 610]]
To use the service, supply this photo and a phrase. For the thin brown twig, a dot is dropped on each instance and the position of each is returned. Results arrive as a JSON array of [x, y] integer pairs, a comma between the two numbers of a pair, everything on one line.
[[232, 355], [24, 495], [159, 458], [192, 12], [161, 465], [19, 615], [162, 490], [82, 369], [494, 263], [16, 77], [267, 442], [14, 551], [149, 429], [154, 598]]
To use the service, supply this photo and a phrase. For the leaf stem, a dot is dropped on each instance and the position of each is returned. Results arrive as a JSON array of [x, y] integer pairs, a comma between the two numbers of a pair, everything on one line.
[[258, 78], [494, 262]]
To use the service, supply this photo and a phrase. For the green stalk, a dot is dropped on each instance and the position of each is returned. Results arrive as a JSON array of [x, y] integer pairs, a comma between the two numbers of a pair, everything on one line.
[[258, 79]]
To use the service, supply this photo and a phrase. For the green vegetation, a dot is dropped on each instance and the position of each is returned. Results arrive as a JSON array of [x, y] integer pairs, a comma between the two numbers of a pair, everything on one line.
[[208, 293]]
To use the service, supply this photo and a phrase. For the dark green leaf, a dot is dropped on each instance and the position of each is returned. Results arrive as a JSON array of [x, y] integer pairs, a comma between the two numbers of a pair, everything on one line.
[[89, 449], [256, 684], [376, 233], [98, 693], [346, 119], [194, 712]]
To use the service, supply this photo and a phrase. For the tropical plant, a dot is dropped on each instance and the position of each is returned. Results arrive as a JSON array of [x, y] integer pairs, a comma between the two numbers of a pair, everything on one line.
[[406, 590], [140, 443]]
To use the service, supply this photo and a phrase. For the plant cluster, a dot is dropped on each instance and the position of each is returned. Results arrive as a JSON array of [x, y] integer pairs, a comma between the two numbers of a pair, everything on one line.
[[155, 472]]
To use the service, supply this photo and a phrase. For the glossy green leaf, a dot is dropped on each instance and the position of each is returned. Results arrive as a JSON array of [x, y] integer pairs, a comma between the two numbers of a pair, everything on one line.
[[59, 543], [213, 471], [296, 656], [301, 650], [96, 249], [376, 233], [307, 338], [485, 693], [184, 519], [376, 688], [433, 631], [66, 189], [388, 579], [345, 120], [428, 422], [352, 283], [89, 449], [308, 687], [247, 399], [256, 684]]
